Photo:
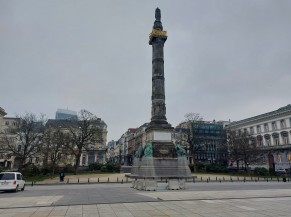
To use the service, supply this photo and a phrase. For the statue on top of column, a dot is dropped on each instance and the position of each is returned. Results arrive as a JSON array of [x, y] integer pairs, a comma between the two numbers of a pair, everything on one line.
[[158, 14]]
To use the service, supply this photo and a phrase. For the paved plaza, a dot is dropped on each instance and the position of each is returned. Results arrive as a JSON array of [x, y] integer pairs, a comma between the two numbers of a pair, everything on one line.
[[200, 199]]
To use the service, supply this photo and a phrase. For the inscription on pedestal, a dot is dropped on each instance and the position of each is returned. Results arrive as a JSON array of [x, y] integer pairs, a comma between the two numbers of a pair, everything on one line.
[[162, 136], [164, 150]]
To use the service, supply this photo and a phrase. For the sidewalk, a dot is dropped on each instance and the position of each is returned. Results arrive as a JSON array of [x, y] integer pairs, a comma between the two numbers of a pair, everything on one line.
[[255, 203], [120, 177]]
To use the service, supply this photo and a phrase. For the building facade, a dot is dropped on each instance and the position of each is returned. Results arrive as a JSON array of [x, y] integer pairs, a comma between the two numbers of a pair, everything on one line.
[[209, 138], [96, 151], [7, 124], [272, 134]]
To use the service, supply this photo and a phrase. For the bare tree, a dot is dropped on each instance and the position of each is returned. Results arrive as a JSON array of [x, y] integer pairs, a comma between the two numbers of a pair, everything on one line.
[[25, 139], [190, 136], [242, 148], [83, 132], [54, 148]]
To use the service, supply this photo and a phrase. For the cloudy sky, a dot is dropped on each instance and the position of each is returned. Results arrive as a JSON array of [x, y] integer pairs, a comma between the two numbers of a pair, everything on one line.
[[223, 59]]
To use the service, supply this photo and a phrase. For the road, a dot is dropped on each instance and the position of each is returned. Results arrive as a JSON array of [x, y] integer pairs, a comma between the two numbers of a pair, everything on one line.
[[250, 199]]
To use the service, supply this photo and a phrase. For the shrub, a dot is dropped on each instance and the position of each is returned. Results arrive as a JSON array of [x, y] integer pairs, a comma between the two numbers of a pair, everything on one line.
[[200, 167], [116, 168], [95, 166], [2, 169], [261, 171], [68, 168], [45, 170], [216, 168], [103, 168], [31, 170]]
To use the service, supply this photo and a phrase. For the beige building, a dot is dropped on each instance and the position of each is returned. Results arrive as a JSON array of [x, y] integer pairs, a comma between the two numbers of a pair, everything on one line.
[[6, 125], [96, 151], [272, 134]]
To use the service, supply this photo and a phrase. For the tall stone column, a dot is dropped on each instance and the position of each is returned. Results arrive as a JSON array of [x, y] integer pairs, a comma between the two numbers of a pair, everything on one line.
[[157, 39]]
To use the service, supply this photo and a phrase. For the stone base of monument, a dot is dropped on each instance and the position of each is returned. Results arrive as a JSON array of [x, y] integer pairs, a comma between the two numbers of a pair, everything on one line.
[[146, 171], [145, 184], [159, 159], [152, 184]]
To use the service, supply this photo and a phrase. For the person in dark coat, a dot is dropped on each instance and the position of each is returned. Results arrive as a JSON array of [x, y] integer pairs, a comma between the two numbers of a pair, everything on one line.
[[62, 175]]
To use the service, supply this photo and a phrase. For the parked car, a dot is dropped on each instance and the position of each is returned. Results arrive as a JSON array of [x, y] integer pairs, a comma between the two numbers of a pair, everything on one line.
[[11, 181]]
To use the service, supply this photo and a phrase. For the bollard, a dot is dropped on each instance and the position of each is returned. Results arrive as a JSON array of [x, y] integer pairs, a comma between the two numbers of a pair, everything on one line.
[[166, 180], [231, 179], [223, 178], [244, 179], [194, 179], [278, 179], [68, 180], [78, 180], [267, 180], [88, 180], [251, 178], [31, 183], [117, 179], [122, 181], [98, 180], [220, 180], [237, 178], [108, 179], [216, 178]]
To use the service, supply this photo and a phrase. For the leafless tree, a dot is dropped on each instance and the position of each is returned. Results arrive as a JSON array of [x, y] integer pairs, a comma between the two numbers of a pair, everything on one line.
[[25, 139], [54, 149], [189, 135], [242, 148], [83, 132]]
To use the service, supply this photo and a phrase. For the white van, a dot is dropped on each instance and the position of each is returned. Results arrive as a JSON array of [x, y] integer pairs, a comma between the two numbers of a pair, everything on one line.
[[11, 181]]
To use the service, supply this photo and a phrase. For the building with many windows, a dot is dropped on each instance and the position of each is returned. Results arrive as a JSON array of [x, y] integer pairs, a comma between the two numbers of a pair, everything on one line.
[[209, 138], [65, 114], [272, 134]]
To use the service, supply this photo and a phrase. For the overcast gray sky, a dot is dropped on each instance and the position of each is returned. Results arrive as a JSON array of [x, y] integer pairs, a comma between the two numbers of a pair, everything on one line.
[[223, 59]]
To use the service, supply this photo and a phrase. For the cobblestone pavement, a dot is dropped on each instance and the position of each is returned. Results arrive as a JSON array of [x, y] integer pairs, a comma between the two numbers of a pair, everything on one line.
[[200, 199], [256, 207]]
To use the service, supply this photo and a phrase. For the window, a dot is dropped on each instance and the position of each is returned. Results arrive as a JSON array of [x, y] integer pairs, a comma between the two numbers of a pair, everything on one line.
[[266, 127], [7, 123], [289, 157], [274, 126], [245, 131], [252, 130], [268, 141], [283, 124], [258, 129], [285, 139], [260, 140], [18, 176], [280, 158]]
